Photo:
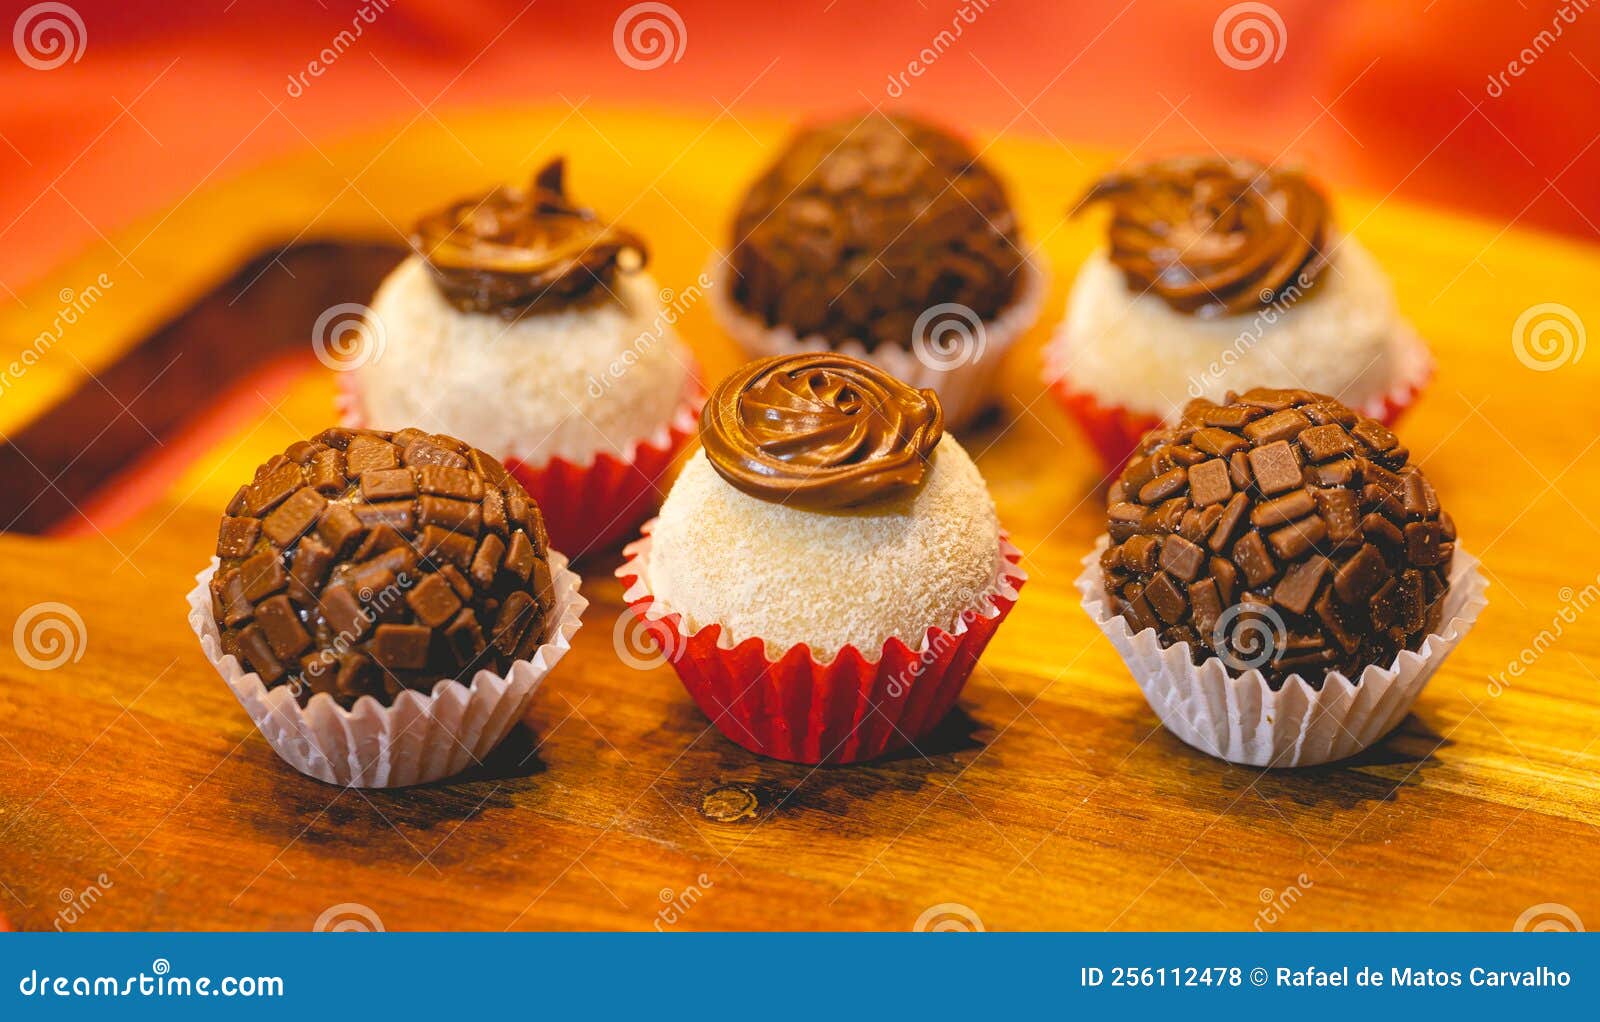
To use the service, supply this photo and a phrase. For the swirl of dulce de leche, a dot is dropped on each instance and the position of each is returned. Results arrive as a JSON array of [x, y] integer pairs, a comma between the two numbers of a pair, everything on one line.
[[513, 250], [1213, 236], [820, 431]]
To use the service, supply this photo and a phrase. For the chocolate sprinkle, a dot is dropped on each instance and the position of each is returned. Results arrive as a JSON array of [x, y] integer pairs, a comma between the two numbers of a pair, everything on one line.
[[363, 563], [1304, 524]]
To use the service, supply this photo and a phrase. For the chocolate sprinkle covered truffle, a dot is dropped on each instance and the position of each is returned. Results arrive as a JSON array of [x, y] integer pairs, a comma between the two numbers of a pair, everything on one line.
[[363, 563], [1278, 530], [863, 224]]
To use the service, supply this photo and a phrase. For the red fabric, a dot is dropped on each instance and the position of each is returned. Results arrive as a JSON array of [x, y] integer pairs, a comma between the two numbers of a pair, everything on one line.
[[803, 711], [166, 98]]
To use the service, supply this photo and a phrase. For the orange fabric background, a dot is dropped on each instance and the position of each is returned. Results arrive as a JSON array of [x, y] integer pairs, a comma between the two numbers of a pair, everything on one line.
[[1375, 95]]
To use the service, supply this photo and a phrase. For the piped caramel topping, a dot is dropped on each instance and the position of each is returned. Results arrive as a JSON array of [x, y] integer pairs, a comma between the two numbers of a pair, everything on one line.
[[513, 251], [820, 431], [1213, 236]]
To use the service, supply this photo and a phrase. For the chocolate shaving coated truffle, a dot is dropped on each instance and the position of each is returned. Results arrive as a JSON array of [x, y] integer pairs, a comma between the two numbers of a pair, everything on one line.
[[863, 224], [820, 431], [1278, 530], [364, 563], [1214, 237], [515, 251]]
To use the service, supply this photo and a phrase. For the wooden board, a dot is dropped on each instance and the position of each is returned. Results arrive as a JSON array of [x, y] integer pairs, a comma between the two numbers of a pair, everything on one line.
[[134, 792]]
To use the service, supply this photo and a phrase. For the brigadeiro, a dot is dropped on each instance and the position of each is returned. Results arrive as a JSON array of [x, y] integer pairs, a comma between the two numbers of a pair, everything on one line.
[[828, 568], [384, 605], [1279, 577], [1217, 275], [887, 239], [527, 325]]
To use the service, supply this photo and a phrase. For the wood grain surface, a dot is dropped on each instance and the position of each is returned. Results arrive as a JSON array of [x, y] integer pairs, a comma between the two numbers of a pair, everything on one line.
[[135, 793]]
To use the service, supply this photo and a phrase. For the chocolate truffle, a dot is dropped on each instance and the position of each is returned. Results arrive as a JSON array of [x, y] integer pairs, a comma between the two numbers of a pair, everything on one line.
[[863, 224], [364, 563], [1282, 531]]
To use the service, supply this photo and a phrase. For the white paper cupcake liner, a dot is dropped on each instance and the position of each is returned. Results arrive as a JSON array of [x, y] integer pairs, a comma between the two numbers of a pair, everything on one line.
[[963, 380], [418, 739], [1235, 715]]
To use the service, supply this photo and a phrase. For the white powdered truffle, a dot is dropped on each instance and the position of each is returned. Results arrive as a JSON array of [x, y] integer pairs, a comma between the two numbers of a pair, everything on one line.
[[857, 576], [570, 383]]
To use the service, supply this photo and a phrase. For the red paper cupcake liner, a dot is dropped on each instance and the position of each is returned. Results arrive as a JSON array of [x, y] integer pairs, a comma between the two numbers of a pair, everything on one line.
[[588, 508], [802, 710], [1114, 431]]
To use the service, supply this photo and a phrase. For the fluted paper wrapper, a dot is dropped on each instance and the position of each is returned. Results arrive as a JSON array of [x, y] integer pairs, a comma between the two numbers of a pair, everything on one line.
[[1235, 715], [587, 506], [964, 379], [420, 738], [1115, 431], [789, 705]]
